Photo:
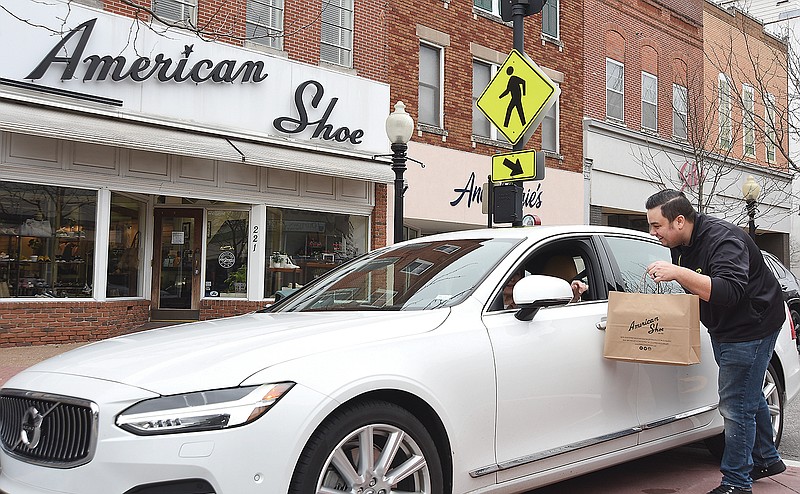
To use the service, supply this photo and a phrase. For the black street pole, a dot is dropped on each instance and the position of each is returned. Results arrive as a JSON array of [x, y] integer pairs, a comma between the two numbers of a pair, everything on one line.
[[518, 16], [399, 168], [751, 212]]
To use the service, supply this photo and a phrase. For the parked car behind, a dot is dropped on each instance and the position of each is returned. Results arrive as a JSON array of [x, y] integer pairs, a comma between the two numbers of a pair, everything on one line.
[[790, 286], [402, 371]]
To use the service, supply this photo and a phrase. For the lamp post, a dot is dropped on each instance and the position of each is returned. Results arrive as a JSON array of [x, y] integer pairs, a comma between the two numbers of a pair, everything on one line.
[[750, 192], [399, 127]]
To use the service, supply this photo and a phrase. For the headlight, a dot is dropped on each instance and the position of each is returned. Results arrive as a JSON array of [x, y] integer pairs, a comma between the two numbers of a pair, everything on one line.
[[201, 411]]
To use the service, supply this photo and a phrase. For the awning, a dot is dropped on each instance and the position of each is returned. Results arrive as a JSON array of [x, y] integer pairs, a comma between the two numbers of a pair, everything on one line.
[[83, 127]]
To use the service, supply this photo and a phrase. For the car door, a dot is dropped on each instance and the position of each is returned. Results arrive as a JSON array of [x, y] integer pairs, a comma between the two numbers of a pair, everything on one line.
[[670, 398], [558, 400]]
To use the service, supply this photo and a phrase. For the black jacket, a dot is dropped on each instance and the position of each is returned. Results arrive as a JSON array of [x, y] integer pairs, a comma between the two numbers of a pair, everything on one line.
[[746, 301]]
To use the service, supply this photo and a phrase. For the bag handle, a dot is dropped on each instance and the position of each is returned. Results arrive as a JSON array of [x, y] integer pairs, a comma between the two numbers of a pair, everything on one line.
[[659, 289]]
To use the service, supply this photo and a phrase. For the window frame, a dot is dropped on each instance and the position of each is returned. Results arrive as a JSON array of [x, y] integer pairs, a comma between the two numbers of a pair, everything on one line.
[[551, 8], [621, 65], [770, 135], [274, 42], [344, 32], [556, 109], [192, 5], [748, 121], [495, 9], [439, 90], [654, 104], [724, 112], [676, 113], [493, 68]]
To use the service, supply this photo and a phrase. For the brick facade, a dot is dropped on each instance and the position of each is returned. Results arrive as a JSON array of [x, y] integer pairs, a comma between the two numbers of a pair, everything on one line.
[[644, 35], [737, 45], [466, 26]]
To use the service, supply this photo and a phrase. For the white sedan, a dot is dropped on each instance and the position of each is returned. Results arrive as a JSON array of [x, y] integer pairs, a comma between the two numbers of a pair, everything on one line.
[[404, 371]]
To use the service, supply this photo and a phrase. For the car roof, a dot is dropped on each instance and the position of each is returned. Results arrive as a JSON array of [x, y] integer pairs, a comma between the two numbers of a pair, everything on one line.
[[531, 232]]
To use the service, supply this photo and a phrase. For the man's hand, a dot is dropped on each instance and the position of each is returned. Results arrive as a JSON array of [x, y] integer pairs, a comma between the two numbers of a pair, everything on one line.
[[663, 271]]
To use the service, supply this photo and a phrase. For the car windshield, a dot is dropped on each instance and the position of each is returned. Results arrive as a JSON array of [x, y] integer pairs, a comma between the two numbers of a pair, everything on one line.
[[417, 276]]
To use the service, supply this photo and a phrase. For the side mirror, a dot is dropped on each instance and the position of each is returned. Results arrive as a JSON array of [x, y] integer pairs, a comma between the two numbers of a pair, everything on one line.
[[536, 291]]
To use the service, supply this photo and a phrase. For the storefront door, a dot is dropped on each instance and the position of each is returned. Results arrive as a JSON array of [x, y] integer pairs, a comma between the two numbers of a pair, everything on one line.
[[176, 266]]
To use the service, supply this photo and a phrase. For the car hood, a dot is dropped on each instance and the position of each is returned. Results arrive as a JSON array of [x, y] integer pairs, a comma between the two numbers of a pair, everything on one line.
[[224, 352]]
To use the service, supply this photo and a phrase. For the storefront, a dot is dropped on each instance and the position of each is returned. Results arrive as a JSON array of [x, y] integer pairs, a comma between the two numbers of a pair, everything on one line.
[[448, 194], [146, 176], [618, 159]]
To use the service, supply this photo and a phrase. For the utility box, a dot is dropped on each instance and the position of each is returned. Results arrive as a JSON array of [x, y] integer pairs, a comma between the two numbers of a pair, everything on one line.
[[507, 203]]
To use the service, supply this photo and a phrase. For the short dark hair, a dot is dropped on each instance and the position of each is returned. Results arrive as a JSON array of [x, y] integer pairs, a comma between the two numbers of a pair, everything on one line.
[[673, 204]]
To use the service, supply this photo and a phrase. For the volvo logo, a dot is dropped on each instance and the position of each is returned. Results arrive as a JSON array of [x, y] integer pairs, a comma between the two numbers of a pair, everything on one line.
[[31, 432]]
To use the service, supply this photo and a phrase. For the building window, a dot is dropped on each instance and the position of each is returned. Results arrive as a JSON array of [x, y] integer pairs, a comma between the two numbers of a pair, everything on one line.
[[550, 129], [769, 131], [550, 19], [724, 104], [430, 85], [481, 75], [264, 24], [226, 253], [314, 242], [125, 247], [680, 111], [748, 121], [47, 237], [649, 102], [491, 6], [181, 11], [336, 43], [615, 90]]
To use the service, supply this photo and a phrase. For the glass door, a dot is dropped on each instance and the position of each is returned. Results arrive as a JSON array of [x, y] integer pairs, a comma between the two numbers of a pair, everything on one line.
[[176, 267]]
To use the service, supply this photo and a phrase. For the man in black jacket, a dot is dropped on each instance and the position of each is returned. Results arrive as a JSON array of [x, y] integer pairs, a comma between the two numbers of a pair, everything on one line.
[[742, 306]]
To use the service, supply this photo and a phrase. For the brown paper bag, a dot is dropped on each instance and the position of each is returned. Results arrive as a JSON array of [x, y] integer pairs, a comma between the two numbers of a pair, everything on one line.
[[653, 328]]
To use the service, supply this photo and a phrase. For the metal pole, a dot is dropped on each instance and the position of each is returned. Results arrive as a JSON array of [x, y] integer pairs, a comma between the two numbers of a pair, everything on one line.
[[751, 212], [518, 13], [398, 167]]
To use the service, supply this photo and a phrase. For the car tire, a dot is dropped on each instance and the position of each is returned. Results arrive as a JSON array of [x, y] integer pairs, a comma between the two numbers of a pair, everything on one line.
[[773, 391], [332, 457]]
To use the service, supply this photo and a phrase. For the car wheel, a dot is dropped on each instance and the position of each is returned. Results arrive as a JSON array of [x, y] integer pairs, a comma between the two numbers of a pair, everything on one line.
[[373, 446], [773, 392]]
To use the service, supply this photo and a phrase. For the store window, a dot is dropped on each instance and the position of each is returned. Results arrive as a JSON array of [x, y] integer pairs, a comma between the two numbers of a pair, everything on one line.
[[125, 247], [226, 253], [46, 241], [303, 245]]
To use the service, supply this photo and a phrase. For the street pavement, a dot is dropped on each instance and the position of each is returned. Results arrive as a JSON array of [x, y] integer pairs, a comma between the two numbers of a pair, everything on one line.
[[686, 470]]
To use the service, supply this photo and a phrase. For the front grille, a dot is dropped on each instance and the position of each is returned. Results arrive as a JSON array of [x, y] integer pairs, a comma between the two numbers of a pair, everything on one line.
[[45, 429]]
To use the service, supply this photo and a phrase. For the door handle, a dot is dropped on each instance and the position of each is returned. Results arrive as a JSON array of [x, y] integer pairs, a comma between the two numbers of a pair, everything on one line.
[[602, 324]]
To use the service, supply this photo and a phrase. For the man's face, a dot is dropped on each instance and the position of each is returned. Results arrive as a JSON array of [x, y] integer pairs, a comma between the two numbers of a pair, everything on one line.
[[669, 233]]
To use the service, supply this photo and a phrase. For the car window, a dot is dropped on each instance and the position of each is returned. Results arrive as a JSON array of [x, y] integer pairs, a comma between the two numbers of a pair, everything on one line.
[[776, 266], [633, 256], [416, 276]]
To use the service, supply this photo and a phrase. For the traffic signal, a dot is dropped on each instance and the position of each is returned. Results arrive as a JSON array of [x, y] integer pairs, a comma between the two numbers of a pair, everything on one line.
[[531, 7], [507, 202]]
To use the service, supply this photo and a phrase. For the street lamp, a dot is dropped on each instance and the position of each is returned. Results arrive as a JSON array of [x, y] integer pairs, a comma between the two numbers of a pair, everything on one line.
[[399, 127], [750, 192]]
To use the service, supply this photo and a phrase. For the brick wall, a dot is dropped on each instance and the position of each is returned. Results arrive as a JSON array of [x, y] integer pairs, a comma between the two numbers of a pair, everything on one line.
[[216, 308], [737, 46], [378, 233], [645, 35], [51, 322], [465, 25]]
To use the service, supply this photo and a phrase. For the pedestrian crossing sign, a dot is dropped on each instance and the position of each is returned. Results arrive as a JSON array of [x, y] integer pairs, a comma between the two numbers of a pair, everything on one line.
[[518, 97]]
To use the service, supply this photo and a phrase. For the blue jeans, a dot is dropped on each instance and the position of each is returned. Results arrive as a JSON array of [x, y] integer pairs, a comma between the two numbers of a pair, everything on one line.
[[748, 426]]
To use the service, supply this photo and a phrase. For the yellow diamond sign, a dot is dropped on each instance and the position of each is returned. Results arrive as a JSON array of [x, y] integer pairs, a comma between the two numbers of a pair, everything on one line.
[[518, 97]]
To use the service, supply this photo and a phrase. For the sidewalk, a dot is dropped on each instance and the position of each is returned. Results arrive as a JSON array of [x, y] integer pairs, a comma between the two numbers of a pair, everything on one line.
[[687, 470]]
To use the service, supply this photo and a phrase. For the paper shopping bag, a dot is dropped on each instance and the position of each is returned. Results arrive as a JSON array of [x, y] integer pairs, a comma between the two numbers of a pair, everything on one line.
[[653, 328]]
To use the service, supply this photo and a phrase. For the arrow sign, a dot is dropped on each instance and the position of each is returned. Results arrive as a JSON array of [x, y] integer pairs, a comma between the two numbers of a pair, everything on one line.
[[518, 166], [514, 166]]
